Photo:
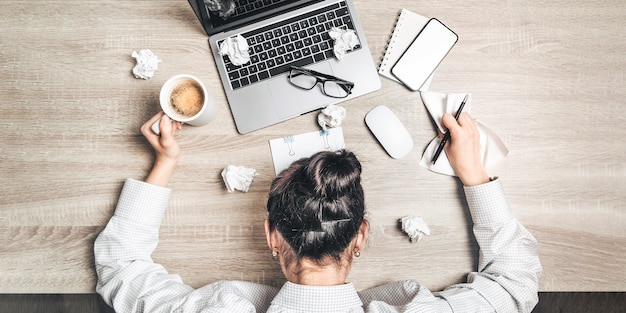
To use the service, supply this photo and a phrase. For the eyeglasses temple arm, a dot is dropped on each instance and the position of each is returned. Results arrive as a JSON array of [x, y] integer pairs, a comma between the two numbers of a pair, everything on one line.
[[316, 73]]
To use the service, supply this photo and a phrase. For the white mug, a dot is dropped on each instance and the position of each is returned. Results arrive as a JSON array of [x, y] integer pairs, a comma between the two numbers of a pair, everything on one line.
[[189, 88]]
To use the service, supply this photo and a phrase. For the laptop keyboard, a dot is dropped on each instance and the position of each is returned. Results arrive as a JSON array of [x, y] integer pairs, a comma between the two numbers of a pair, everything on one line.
[[299, 41], [244, 7]]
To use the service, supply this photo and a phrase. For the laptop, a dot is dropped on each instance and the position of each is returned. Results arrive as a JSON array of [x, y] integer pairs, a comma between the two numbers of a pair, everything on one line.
[[282, 33]]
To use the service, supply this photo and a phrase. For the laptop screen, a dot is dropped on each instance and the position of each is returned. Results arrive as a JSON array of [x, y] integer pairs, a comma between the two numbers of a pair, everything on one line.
[[223, 15]]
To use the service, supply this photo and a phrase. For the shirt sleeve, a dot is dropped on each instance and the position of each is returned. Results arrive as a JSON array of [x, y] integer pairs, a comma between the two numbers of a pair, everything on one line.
[[127, 277], [508, 268]]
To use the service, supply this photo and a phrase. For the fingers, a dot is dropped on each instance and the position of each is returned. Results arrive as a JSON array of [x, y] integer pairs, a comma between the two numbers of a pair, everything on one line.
[[168, 129], [449, 122], [165, 125], [145, 128], [463, 151], [469, 126], [465, 123], [466, 120]]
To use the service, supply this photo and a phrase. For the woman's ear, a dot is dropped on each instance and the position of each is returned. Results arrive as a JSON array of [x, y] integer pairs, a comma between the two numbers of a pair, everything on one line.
[[270, 236], [361, 236]]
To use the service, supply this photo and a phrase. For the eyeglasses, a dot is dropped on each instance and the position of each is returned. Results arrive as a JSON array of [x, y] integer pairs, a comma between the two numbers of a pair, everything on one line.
[[331, 86]]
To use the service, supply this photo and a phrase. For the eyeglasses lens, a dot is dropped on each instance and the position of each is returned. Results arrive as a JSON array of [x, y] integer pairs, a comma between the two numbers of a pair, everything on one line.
[[336, 89], [302, 80], [330, 87]]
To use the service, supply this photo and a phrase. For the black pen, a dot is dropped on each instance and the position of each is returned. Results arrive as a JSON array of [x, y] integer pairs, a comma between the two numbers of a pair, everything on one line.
[[446, 137]]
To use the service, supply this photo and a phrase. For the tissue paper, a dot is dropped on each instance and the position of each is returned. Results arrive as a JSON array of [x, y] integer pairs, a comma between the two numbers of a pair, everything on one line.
[[437, 103]]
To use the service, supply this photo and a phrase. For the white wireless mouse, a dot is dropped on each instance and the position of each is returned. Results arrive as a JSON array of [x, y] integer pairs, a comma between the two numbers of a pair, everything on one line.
[[389, 131]]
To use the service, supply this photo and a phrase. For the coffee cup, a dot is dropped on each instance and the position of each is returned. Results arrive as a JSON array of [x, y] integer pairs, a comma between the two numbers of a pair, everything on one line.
[[184, 99]]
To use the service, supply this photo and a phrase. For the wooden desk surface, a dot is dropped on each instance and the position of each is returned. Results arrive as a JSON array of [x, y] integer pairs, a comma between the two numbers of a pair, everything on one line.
[[548, 77]]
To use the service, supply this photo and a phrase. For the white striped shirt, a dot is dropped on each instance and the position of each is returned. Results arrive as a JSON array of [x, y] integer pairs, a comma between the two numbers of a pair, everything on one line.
[[506, 279]]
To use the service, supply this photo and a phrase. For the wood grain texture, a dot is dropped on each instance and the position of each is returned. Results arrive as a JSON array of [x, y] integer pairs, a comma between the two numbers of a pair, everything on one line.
[[547, 77]]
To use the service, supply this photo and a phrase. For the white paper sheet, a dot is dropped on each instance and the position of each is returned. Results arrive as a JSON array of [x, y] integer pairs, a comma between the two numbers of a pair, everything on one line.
[[287, 149]]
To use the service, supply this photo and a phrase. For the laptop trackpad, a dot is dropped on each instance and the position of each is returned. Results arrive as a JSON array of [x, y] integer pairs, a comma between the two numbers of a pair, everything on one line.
[[292, 101]]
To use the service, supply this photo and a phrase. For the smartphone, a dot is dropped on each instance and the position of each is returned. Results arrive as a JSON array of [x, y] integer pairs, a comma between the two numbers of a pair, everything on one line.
[[424, 54]]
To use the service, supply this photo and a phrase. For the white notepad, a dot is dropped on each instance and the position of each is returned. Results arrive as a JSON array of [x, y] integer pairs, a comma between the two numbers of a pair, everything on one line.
[[407, 27]]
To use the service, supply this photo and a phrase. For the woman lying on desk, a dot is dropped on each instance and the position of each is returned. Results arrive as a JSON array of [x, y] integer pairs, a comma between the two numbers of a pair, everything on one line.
[[315, 227]]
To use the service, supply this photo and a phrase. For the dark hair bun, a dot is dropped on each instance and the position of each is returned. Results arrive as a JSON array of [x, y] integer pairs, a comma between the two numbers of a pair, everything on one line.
[[334, 173], [317, 204]]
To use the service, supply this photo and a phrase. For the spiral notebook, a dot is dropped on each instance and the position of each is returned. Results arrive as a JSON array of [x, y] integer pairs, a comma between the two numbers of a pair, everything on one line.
[[407, 27]]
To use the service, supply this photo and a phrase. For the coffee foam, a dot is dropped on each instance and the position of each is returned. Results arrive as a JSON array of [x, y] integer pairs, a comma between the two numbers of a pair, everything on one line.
[[187, 98]]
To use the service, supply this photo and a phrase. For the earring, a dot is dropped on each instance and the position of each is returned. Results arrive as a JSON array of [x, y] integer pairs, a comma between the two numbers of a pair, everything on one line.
[[357, 253], [274, 253]]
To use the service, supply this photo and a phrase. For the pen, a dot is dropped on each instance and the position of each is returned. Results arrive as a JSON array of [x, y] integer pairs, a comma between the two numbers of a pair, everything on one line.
[[446, 137]]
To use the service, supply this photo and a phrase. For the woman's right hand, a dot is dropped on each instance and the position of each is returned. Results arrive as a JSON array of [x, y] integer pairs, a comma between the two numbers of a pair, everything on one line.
[[165, 148], [463, 149]]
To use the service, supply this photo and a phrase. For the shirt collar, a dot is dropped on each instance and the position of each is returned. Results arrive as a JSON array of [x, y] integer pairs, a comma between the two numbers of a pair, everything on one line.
[[340, 298]]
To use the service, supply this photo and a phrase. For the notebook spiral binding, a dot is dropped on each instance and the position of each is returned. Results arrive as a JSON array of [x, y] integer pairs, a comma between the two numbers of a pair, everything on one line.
[[385, 58]]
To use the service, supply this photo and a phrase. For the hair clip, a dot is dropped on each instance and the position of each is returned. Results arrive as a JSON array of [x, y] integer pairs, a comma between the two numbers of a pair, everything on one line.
[[320, 229]]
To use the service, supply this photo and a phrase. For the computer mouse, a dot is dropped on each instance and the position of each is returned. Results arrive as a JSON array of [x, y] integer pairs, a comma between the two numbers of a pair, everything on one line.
[[389, 131]]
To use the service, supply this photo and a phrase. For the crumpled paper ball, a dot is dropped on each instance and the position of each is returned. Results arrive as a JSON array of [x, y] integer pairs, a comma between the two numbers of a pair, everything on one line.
[[238, 177], [236, 48], [345, 40], [415, 227], [332, 116], [147, 63]]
